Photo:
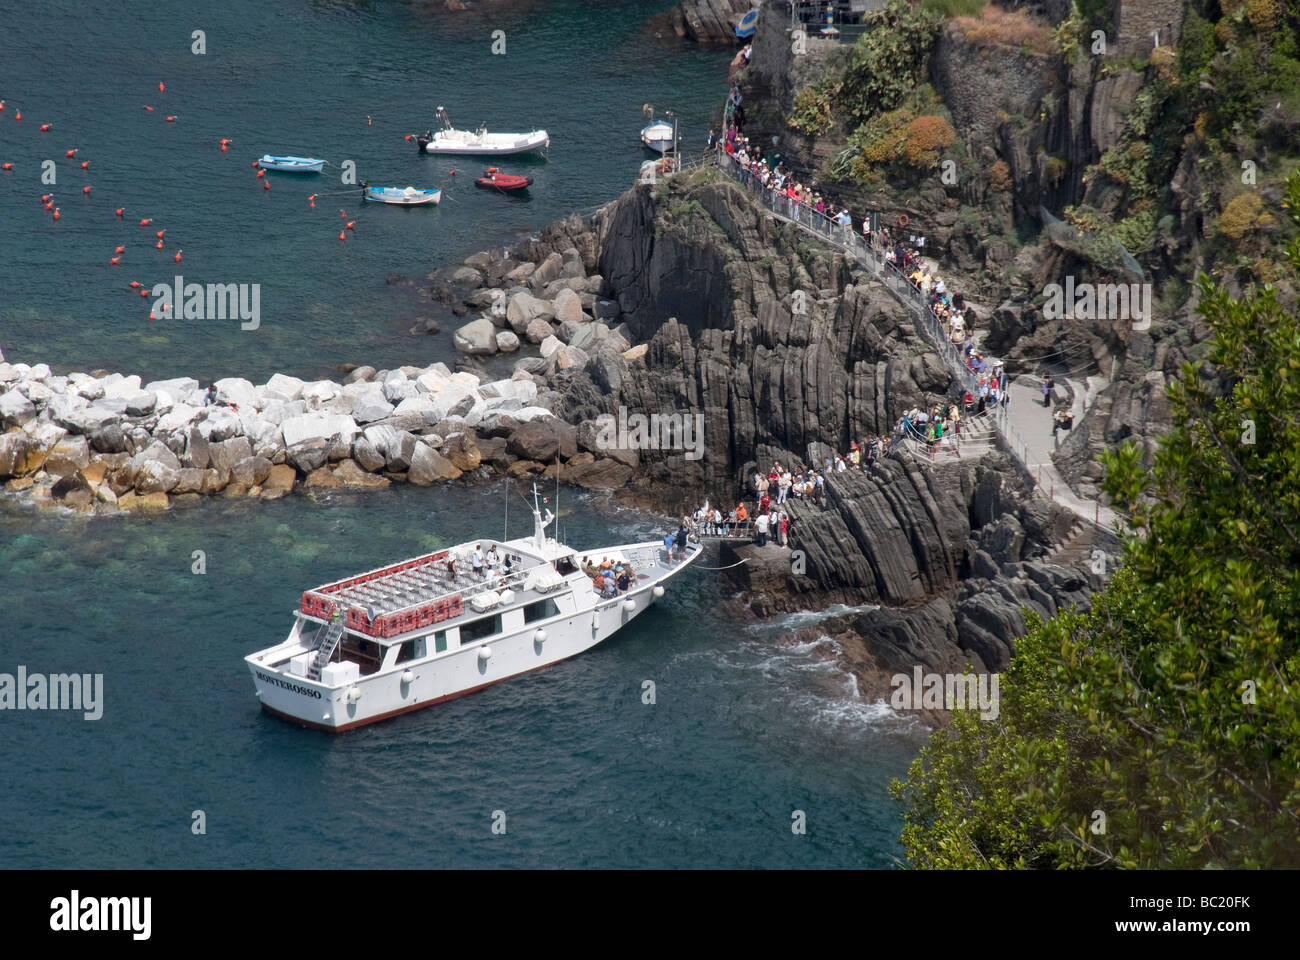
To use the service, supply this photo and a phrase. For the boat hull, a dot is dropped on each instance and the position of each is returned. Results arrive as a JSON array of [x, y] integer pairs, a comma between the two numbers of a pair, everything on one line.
[[383, 695], [291, 164], [399, 198]]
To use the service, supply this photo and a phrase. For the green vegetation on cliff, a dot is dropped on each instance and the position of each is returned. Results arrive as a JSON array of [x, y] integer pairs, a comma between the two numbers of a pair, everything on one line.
[[1161, 729]]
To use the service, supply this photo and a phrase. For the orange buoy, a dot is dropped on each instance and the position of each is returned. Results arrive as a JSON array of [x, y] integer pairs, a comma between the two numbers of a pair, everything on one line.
[[312, 198], [18, 114], [120, 210], [6, 166], [151, 316], [134, 284], [45, 128], [49, 204], [144, 291], [342, 235], [351, 224], [149, 108], [70, 153], [85, 164], [145, 222], [261, 173], [115, 261], [161, 88], [158, 245], [160, 233], [85, 189], [369, 122], [120, 250], [45, 197], [2, 104], [256, 162], [177, 258], [224, 148], [266, 185], [343, 214], [408, 137], [56, 213], [171, 119]]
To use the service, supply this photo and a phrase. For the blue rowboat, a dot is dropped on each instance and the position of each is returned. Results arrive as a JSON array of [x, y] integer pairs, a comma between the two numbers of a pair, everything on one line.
[[291, 164], [404, 196]]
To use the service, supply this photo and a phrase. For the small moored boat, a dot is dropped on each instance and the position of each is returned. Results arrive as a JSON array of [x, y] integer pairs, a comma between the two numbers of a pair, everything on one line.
[[494, 179], [404, 196], [449, 140], [658, 136], [291, 164]]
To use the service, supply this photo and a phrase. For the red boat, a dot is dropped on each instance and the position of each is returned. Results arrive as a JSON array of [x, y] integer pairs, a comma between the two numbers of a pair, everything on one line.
[[494, 179]]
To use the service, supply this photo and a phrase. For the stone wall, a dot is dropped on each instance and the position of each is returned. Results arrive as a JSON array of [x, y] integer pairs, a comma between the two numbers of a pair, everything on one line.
[[978, 83], [1137, 21]]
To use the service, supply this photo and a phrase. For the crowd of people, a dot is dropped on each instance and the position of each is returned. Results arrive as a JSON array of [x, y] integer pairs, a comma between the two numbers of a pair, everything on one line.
[[609, 577]]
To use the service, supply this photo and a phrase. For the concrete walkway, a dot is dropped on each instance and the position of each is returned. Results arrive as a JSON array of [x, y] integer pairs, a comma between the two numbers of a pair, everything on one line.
[[1032, 426]]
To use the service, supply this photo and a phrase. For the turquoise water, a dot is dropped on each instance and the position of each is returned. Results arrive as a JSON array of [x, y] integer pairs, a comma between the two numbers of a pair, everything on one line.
[[744, 730], [298, 78]]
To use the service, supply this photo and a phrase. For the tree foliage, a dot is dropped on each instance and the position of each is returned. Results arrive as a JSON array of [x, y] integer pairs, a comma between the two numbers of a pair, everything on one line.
[[889, 60], [1167, 716]]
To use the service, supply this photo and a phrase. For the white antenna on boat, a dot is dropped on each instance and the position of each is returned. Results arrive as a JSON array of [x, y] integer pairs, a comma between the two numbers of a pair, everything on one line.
[[505, 531]]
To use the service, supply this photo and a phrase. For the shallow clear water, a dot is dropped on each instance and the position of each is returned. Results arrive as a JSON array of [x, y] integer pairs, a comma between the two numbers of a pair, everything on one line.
[[744, 730]]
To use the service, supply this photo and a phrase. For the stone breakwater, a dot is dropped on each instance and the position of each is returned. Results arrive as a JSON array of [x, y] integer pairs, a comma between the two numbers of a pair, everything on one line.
[[107, 442], [102, 442]]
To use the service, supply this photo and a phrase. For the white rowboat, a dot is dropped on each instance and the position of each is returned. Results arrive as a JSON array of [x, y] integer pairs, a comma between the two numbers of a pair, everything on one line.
[[291, 164], [404, 196]]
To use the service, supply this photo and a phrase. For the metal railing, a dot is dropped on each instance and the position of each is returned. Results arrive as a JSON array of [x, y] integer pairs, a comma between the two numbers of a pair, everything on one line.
[[870, 255]]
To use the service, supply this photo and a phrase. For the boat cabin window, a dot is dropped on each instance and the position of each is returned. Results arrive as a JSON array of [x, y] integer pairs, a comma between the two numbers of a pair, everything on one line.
[[478, 629], [565, 566], [365, 653], [540, 610], [411, 650], [440, 642]]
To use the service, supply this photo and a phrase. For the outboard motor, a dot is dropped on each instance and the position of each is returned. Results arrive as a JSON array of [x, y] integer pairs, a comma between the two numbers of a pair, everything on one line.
[[422, 141]]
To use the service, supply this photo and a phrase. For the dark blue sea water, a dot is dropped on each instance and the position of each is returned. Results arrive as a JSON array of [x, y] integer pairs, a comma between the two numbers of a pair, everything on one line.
[[745, 730], [296, 77]]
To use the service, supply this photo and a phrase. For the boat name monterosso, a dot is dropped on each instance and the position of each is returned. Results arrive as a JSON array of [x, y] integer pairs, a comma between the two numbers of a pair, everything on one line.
[[291, 687]]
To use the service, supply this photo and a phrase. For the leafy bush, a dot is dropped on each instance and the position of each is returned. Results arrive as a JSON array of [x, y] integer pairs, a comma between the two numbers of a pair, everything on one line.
[[813, 111], [1000, 176], [1243, 214], [889, 60], [926, 136]]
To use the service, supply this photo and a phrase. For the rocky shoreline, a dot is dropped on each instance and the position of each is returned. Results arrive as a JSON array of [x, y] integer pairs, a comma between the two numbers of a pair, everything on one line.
[[103, 442]]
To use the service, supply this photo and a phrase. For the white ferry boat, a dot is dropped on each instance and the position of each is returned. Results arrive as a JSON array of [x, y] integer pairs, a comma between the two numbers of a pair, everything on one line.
[[430, 628]]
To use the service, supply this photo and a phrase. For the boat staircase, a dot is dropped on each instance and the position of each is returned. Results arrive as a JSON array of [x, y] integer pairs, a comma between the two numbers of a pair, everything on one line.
[[329, 642]]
